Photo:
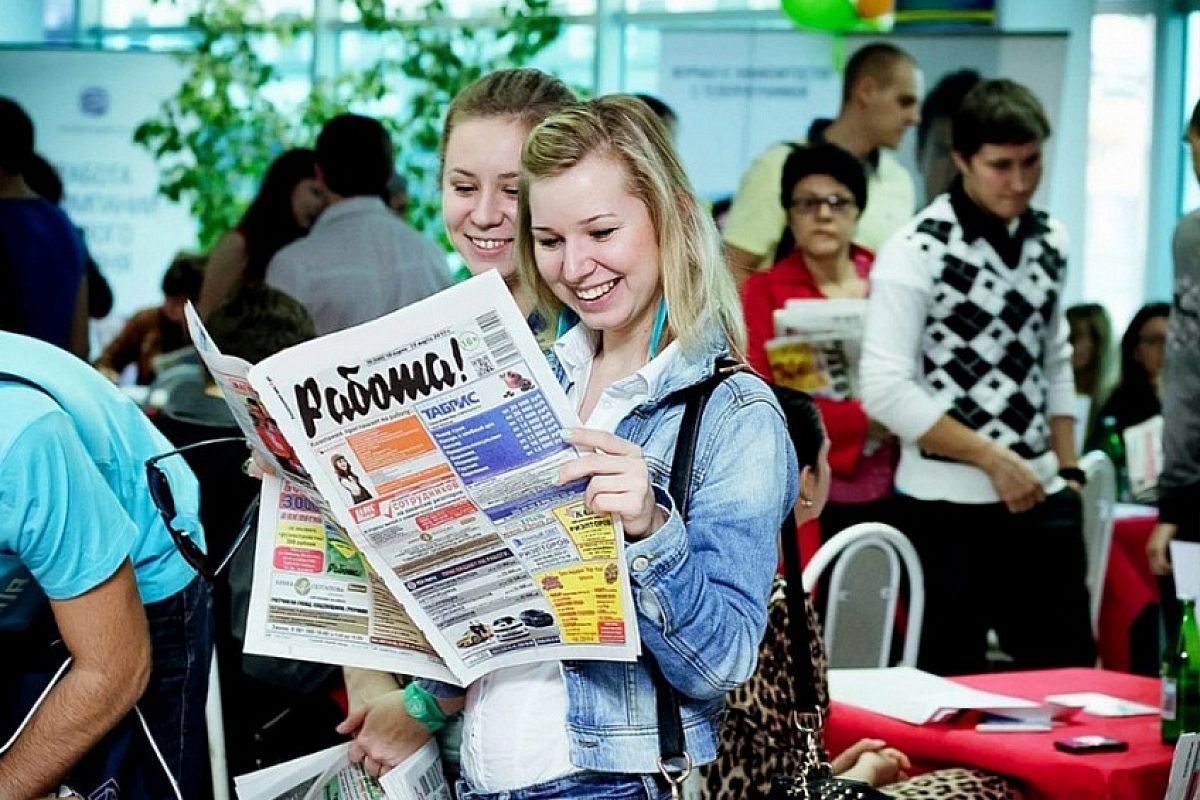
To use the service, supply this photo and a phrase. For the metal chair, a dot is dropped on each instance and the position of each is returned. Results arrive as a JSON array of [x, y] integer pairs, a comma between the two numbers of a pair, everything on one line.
[[1099, 503], [868, 562]]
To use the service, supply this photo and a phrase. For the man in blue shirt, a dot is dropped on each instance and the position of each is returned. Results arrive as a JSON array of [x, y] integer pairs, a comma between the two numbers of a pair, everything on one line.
[[85, 553], [42, 263]]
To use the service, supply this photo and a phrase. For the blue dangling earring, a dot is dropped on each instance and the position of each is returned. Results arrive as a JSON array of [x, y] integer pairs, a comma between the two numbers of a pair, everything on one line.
[[660, 324]]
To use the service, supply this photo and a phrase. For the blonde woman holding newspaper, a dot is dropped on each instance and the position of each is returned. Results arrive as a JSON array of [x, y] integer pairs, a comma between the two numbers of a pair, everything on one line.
[[611, 234], [486, 125]]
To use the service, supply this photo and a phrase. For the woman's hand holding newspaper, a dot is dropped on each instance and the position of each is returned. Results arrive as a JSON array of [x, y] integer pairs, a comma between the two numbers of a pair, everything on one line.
[[619, 480], [384, 733]]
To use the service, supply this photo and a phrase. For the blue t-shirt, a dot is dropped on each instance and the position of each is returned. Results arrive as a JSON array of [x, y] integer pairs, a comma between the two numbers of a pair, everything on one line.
[[73, 496], [48, 264]]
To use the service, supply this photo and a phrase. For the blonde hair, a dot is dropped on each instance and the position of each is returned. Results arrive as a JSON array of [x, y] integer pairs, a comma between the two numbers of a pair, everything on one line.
[[700, 292], [524, 95]]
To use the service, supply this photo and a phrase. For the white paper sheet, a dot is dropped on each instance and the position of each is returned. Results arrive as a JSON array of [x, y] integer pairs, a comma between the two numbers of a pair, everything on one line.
[[1099, 704], [1184, 782], [917, 697], [1185, 564], [1144, 457]]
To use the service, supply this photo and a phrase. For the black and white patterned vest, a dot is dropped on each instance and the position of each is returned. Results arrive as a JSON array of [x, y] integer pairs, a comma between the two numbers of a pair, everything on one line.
[[984, 346]]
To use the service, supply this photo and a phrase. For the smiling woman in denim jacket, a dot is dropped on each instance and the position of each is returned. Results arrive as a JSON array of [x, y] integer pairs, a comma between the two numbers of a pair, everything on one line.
[[610, 233]]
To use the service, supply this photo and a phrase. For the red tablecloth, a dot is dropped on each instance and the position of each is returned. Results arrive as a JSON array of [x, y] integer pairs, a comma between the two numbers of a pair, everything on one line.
[[1046, 773], [1129, 585]]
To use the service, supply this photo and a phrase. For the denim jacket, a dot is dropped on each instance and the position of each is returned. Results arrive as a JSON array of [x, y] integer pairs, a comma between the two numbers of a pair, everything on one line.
[[700, 587]]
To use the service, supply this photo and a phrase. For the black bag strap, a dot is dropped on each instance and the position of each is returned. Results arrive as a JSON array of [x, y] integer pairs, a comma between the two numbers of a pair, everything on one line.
[[804, 676], [799, 634], [11, 378], [674, 762]]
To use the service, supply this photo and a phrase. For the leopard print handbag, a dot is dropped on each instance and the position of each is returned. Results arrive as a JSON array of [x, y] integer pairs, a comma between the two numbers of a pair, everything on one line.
[[757, 740], [766, 751], [786, 701]]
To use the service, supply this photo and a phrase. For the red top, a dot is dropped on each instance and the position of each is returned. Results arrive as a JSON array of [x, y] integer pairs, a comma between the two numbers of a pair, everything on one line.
[[762, 294]]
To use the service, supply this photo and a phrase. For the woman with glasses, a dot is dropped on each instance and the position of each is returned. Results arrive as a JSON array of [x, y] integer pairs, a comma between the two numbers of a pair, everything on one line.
[[1138, 394], [823, 190]]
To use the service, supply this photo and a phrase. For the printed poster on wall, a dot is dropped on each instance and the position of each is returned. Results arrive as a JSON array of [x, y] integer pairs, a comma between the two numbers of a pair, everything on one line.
[[85, 107]]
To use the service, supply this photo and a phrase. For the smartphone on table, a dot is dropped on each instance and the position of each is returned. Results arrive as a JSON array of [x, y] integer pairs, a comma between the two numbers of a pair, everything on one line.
[[1080, 745]]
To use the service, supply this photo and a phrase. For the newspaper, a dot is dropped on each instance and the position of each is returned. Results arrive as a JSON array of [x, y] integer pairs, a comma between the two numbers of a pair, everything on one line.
[[429, 440], [315, 598], [329, 775], [1184, 780], [1144, 458], [817, 346]]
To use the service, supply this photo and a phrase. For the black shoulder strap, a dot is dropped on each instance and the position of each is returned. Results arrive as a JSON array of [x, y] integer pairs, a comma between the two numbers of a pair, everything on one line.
[[799, 634], [11, 378], [673, 758], [12, 313], [696, 398]]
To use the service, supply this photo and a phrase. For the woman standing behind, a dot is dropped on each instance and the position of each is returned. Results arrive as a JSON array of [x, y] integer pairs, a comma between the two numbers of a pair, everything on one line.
[[1137, 395], [486, 125], [288, 202], [1091, 358], [823, 190]]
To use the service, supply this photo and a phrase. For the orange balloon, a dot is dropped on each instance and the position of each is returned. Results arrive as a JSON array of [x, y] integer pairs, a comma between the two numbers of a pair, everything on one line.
[[870, 9]]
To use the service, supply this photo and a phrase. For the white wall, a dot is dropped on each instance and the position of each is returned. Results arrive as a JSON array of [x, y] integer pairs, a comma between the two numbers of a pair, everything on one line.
[[1066, 196], [738, 92], [21, 21]]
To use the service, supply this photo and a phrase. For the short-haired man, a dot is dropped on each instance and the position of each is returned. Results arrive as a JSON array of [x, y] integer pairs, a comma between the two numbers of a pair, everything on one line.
[[42, 263], [85, 556], [359, 261], [967, 359], [880, 93]]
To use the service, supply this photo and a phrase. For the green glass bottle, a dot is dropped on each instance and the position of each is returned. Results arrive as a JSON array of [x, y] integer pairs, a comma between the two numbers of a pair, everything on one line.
[[1114, 447], [1187, 681], [1169, 706]]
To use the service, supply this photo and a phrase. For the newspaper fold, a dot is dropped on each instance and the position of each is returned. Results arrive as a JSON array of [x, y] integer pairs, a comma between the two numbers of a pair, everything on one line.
[[329, 775], [817, 346]]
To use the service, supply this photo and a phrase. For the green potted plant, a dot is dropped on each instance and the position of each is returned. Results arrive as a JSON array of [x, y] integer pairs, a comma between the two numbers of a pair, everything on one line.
[[215, 137]]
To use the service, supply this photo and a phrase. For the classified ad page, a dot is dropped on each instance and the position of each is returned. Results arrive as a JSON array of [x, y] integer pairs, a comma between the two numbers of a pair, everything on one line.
[[314, 597]]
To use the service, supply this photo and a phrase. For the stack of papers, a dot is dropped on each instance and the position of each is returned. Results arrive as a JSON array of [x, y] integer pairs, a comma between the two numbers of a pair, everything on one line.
[[917, 697], [817, 345]]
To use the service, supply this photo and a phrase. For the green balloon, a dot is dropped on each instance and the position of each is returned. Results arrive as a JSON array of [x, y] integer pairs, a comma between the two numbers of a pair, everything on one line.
[[835, 16]]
